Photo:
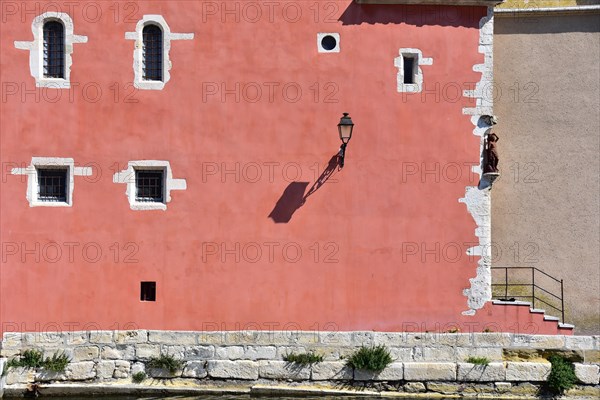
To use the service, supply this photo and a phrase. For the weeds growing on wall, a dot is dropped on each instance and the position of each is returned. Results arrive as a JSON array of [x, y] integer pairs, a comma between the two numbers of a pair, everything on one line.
[[478, 361], [57, 363], [35, 359], [562, 375], [303, 358], [373, 358], [29, 359], [165, 361], [138, 377]]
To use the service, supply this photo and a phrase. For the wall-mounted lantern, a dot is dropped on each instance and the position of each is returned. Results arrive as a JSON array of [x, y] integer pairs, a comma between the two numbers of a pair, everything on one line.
[[345, 128]]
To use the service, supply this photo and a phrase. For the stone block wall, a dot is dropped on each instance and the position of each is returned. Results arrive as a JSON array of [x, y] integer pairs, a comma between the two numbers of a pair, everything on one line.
[[434, 362]]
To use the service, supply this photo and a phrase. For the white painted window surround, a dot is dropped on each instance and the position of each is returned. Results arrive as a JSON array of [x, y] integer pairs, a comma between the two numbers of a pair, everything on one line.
[[127, 176], [320, 47], [36, 48], [50, 162], [417, 86], [138, 51]]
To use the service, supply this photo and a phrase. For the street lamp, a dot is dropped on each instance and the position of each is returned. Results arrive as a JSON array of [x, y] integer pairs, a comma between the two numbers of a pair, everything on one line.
[[345, 128]]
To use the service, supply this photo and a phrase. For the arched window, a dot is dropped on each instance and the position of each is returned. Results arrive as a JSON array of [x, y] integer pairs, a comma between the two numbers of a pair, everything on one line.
[[151, 62], [153, 53], [54, 50]]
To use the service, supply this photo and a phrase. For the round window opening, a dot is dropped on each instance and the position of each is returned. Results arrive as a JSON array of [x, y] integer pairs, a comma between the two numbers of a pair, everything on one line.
[[328, 42]]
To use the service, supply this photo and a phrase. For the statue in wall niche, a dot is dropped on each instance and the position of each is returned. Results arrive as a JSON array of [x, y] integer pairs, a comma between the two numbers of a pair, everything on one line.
[[491, 158], [489, 119]]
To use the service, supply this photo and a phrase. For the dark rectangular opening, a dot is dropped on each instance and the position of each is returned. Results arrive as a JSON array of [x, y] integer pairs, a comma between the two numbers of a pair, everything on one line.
[[52, 184], [409, 69], [149, 185], [148, 291]]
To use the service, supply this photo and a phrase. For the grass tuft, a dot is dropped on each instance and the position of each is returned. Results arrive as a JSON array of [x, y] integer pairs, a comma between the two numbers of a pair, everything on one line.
[[303, 358], [35, 359], [57, 363], [373, 358], [479, 361], [138, 377], [165, 361], [30, 359], [562, 375]]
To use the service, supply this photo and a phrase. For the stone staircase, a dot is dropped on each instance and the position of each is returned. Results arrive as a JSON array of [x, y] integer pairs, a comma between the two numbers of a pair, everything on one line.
[[524, 288], [546, 324]]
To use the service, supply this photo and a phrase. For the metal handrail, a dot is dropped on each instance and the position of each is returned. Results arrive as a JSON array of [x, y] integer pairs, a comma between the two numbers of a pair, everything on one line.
[[533, 286], [535, 268]]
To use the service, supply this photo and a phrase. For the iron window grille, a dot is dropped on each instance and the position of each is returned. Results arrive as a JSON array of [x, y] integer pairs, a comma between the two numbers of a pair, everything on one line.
[[52, 184], [54, 50], [153, 53], [149, 185]]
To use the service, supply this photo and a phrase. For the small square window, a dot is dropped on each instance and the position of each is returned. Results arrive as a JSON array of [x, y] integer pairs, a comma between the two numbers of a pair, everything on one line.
[[52, 184], [148, 291], [149, 185]]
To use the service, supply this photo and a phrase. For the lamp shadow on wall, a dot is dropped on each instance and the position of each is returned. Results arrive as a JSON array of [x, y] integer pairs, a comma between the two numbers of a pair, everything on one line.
[[294, 195], [418, 15]]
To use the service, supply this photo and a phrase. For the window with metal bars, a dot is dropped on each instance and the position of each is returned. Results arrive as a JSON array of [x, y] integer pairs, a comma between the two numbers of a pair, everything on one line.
[[54, 50], [149, 185], [152, 37], [52, 184]]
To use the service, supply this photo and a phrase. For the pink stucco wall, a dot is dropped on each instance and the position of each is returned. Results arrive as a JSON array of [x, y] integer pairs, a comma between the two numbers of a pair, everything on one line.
[[359, 267]]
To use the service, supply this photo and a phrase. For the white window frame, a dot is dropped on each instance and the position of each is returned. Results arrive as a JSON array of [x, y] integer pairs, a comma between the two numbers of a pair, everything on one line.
[[128, 177], [48, 163], [133, 193], [417, 55], [36, 49], [138, 51]]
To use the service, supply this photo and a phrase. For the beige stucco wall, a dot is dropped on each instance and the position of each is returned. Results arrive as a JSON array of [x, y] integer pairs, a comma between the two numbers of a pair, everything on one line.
[[546, 203], [512, 4]]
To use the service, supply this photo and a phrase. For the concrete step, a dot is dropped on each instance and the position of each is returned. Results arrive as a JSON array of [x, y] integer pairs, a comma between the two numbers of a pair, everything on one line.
[[562, 325], [512, 303], [551, 318]]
